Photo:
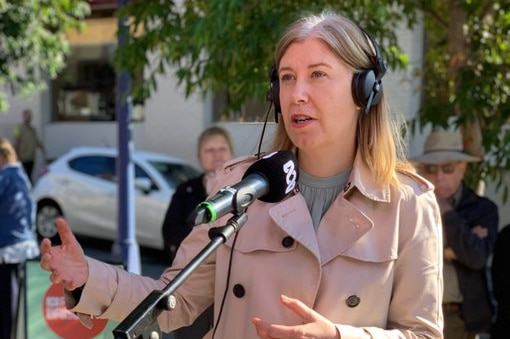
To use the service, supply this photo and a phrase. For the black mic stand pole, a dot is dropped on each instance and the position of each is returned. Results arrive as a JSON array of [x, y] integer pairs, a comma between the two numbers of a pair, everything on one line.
[[142, 323]]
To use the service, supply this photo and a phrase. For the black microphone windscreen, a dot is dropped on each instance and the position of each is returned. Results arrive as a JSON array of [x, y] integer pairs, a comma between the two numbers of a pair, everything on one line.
[[281, 171]]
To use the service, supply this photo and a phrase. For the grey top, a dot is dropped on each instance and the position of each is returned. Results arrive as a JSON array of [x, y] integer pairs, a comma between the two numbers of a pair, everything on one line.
[[319, 193]]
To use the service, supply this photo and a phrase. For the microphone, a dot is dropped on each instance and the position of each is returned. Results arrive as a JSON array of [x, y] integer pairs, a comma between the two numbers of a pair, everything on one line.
[[269, 179]]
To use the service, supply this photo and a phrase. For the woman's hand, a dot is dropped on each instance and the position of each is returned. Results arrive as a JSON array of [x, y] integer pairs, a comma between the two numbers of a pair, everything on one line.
[[66, 262], [314, 325]]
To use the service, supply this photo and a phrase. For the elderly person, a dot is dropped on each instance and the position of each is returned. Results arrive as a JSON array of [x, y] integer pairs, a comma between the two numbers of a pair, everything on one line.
[[470, 226]]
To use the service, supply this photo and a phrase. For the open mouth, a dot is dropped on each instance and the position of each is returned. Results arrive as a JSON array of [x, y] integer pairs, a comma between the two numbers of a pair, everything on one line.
[[301, 119]]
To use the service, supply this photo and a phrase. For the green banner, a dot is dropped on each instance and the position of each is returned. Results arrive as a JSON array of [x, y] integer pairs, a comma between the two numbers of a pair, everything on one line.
[[45, 314]]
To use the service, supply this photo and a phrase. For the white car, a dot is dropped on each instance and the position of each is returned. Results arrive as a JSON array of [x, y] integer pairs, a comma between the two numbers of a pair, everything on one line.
[[81, 186]]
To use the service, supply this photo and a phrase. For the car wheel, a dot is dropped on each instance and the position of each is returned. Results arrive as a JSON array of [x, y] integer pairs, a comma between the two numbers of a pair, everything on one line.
[[47, 213]]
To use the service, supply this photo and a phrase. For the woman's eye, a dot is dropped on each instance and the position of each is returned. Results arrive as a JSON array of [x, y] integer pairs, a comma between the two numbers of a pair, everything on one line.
[[286, 77], [318, 74]]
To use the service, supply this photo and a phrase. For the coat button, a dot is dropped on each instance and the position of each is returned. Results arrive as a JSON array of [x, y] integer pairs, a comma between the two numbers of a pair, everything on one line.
[[239, 290], [287, 242], [352, 301]]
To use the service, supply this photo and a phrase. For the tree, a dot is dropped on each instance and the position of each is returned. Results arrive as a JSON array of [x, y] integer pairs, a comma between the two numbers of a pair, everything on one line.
[[467, 82], [32, 42], [227, 45]]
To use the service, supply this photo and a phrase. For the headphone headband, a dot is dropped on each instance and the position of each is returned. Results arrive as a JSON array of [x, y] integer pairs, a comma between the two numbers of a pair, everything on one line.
[[377, 58], [366, 85]]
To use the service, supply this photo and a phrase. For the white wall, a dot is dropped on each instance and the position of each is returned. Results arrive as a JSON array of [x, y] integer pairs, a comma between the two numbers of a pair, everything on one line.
[[61, 136], [173, 123], [246, 136], [403, 87]]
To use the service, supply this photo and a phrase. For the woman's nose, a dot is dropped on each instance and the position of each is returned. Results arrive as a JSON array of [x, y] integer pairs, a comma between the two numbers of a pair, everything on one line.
[[300, 92]]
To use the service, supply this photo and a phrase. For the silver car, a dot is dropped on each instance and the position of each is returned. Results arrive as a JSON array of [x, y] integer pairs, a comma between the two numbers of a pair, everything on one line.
[[81, 186]]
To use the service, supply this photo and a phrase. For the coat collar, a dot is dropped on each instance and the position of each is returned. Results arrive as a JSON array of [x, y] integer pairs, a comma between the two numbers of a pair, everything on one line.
[[343, 226], [362, 178], [293, 217]]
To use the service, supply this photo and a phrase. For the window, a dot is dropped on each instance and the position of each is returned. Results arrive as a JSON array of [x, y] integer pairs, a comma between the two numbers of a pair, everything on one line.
[[104, 167], [174, 174], [95, 165], [85, 90]]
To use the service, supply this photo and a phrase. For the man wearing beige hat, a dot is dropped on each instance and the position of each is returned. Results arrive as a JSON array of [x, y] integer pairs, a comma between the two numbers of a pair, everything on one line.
[[470, 226]]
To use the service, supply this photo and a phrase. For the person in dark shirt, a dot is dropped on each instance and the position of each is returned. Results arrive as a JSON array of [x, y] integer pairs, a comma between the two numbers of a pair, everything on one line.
[[470, 226], [214, 149]]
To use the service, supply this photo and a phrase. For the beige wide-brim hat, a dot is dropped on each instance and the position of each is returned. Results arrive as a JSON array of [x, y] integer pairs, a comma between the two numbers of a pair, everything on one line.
[[443, 146]]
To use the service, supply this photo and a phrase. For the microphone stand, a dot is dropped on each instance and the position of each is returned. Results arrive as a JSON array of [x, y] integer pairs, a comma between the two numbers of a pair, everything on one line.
[[142, 323]]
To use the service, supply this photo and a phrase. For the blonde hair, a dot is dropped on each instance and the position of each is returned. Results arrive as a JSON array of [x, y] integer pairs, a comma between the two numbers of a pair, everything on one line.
[[378, 136], [211, 132], [7, 150]]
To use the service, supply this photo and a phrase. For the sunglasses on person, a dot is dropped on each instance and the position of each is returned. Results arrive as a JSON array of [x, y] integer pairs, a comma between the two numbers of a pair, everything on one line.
[[448, 168]]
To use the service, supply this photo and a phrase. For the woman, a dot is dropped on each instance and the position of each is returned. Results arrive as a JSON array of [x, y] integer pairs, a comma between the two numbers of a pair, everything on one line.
[[214, 149], [355, 252], [17, 239]]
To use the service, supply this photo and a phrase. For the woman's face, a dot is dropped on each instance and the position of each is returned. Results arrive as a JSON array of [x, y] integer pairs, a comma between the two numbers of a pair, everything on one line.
[[214, 152], [315, 96]]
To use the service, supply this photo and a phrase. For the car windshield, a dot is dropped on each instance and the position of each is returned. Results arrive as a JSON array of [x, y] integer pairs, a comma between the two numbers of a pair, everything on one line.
[[174, 173]]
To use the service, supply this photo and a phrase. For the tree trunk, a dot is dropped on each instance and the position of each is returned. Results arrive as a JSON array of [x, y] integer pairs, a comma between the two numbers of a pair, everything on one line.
[[457, 47]]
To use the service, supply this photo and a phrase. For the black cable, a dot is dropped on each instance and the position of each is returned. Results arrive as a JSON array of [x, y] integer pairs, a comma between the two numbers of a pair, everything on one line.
[[226, 284], [264, 129]]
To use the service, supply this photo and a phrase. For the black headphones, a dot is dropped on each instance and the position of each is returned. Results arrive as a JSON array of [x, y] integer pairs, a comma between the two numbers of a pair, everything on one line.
[[366, 85]]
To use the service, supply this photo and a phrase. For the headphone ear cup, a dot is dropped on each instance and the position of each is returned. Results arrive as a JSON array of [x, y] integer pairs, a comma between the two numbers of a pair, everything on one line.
[[365, 84], [273, 95]]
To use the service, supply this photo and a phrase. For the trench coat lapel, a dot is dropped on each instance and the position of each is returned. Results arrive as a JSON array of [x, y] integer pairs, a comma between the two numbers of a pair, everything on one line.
[[342, 226], [292, 217]]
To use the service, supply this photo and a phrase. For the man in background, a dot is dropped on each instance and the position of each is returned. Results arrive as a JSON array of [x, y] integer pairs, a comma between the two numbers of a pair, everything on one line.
[[470, 228], [26, 143]]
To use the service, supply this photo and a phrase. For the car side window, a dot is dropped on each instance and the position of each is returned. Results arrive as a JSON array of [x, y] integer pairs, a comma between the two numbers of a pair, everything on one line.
[[140, 173], [95, 165], [174, 173]]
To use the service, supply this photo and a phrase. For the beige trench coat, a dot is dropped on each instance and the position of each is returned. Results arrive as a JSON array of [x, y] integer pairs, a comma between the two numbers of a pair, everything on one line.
[[373, 267]]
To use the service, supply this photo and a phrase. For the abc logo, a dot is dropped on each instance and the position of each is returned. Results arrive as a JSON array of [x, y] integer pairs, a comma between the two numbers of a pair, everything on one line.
[[291, 175]]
